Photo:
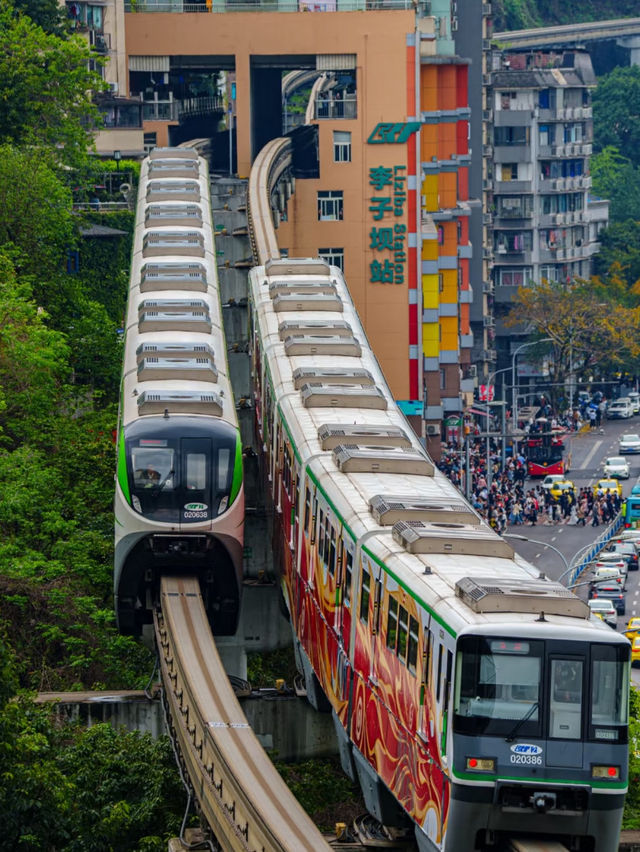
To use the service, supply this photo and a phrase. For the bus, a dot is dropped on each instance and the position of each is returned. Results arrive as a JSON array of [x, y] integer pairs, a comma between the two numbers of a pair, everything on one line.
[[631, 509], [545, 450]]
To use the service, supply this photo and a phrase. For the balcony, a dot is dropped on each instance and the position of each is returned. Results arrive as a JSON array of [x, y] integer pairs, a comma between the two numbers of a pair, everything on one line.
[[160, 111], [100, 42], [327, 106]]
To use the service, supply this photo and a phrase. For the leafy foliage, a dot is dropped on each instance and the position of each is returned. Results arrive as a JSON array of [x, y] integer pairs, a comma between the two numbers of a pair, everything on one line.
[[616, 112], [323, 790], [587, 321], [616, 178], [74, 790], [620, 249], [521, 14], [45, 89]]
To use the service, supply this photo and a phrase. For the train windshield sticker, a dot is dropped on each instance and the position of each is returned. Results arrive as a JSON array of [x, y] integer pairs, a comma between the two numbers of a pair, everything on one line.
[[526, 753]]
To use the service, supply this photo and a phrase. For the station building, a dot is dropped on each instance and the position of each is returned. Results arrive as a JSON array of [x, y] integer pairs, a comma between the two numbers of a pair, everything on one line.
[[396, 198]]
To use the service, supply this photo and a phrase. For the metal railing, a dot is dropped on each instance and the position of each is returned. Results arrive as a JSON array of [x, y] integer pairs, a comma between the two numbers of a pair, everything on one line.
[[579, 568]]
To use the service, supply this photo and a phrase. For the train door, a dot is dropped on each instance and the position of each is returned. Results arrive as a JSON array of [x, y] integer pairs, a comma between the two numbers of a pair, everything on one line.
[[194, 485], [566, 700]]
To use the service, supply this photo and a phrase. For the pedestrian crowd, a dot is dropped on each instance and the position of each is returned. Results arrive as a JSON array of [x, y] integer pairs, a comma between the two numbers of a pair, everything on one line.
[[499, 494]]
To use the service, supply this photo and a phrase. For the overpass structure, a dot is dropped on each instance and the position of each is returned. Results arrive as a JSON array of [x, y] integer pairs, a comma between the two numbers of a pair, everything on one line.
[[625, 31]]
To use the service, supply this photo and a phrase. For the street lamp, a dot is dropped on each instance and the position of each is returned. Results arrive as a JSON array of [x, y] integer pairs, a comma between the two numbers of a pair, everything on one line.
[[117, 156], [518, 349], [544, 544]]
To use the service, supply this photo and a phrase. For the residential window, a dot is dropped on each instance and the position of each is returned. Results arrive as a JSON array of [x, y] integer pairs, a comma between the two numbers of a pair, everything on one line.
[[506, 99], [150, 142], [549, 273], [545, 134], [511, 136], [515, 206], [509, 171], [341, 146], [334, 256], [514, 277], [330, 205]]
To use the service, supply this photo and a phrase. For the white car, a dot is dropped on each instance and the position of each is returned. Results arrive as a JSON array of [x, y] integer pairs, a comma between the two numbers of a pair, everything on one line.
[[621, 409], [616, 467], [606, 609], [629, 444], [550, 480]]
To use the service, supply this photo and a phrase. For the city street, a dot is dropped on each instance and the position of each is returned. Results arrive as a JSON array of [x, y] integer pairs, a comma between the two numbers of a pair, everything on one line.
[[589, 450]]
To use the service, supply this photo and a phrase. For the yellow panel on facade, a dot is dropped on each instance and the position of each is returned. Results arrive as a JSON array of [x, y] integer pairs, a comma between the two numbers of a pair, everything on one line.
[[430, 192], [430, 340], [430, 292], [430, 249]]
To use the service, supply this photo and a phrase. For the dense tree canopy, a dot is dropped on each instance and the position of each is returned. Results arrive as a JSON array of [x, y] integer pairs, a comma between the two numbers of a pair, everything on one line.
[[620, 250], [520, 14], [587, 322], [616, 113], [616, 178], [45, 89]]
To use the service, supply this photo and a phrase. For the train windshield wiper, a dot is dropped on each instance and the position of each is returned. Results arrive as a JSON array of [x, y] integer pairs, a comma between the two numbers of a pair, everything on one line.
[[511, 735], [161, 485]]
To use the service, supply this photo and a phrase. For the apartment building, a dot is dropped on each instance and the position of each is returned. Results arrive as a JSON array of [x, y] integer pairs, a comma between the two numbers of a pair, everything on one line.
[[545, 224]]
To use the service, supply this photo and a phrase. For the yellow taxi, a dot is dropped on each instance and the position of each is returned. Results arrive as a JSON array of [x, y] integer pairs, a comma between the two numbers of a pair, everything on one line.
[[635, 651], [606, 485], [561, 485], [633, 628]]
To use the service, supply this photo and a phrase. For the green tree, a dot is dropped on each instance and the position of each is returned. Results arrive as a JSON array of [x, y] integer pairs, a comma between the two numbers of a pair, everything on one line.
[[620, 251], [33, 362], [616, 112], [616, 178], [35, 214], [47, 14], [587, 324], [45, 89]]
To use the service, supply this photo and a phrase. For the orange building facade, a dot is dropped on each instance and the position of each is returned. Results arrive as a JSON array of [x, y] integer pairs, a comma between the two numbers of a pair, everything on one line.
[[390, 202]]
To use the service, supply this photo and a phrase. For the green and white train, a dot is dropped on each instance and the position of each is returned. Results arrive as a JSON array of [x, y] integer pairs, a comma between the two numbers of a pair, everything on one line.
[[179, 501]]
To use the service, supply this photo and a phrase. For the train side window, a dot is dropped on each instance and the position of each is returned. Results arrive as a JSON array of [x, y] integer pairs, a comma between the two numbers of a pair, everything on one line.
[[321, 535], [403, 618], [412, 650], [426, 661], [447, 682], [224, 464], [392, 623], [364, 596], [313, 521], [307, 509], [327, 538], [332, 553], [348, 574], [439, 675]]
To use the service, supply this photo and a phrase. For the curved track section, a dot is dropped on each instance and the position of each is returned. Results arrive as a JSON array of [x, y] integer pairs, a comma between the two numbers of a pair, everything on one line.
[[267, 169], [240, 793]]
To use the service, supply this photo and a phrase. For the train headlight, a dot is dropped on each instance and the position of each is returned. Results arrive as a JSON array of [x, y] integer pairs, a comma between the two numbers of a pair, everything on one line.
[[481, 764], [609, 773]]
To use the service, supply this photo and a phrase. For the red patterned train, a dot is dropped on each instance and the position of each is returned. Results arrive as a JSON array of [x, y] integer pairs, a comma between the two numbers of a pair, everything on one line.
[[470, 695]]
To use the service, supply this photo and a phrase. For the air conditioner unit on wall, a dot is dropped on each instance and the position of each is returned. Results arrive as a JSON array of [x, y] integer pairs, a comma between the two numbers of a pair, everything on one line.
[[432, 429], [113, 88]]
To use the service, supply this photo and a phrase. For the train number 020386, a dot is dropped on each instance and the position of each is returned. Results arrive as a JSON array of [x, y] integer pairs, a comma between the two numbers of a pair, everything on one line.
[[527, 758]]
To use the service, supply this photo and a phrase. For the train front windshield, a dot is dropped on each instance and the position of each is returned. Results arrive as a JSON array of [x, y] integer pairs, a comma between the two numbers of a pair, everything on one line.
[[531, 688], [180, 479]]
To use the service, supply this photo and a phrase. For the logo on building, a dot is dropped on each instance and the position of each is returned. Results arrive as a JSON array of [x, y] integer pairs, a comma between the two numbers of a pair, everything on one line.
[[388, 133]]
